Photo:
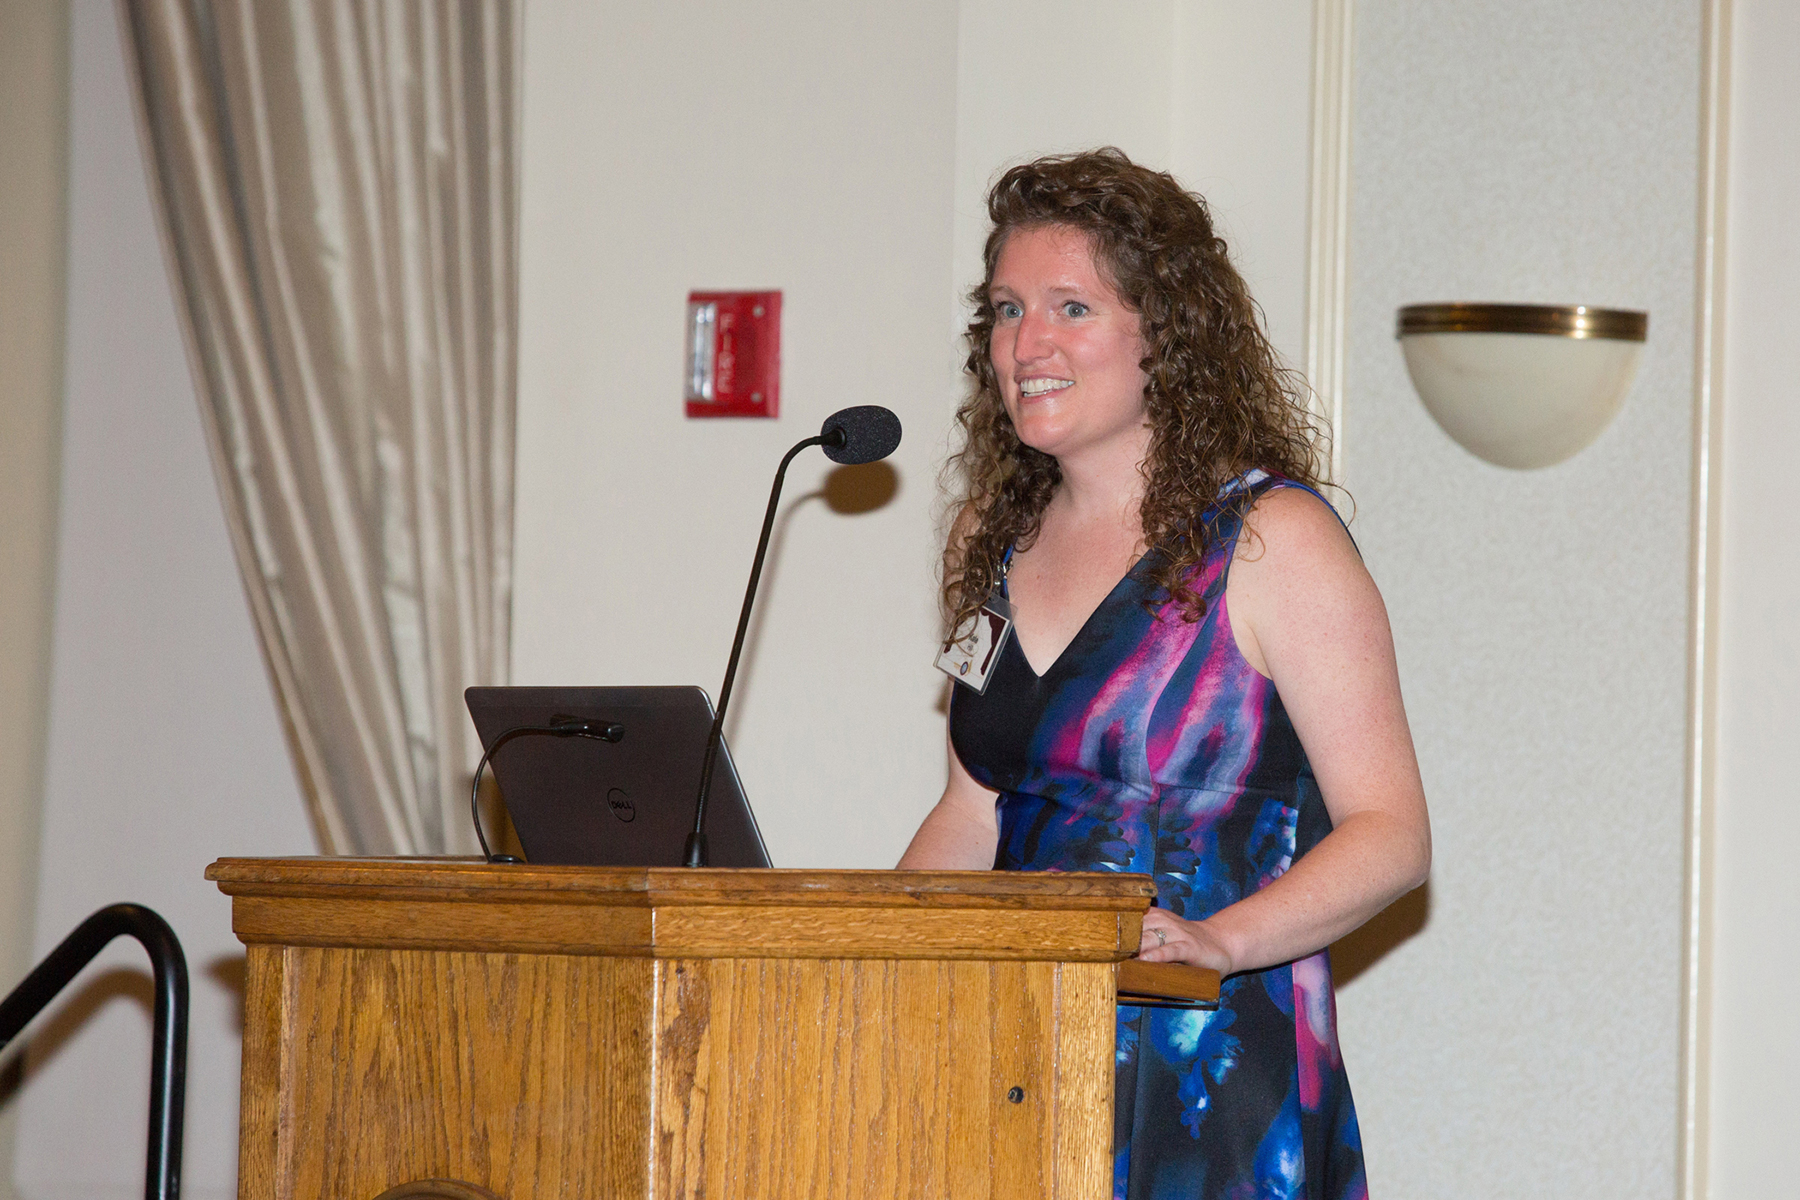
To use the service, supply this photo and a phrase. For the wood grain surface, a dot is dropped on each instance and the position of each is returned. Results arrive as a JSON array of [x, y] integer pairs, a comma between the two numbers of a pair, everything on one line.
[[567, 1032], [468, 905], [521, 1074], [470, 878], [1087, 1035], [1166, 981], [882, 1079], [264, 1166]]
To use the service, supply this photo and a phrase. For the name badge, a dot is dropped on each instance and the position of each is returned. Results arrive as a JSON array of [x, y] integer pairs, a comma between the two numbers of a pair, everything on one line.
[[970, 659]]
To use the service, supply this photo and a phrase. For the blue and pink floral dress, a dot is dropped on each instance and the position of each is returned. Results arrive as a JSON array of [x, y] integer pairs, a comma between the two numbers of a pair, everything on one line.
[[1152, 746]]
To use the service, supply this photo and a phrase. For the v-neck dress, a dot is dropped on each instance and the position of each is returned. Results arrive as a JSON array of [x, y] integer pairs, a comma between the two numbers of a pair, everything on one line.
[[1152, 746]]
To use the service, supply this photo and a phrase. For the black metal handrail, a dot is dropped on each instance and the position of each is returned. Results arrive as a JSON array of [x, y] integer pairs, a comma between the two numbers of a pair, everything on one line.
[[168, 1047]]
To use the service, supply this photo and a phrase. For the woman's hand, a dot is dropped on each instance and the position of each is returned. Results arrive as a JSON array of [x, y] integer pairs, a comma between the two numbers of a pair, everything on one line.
[[1169, 939]]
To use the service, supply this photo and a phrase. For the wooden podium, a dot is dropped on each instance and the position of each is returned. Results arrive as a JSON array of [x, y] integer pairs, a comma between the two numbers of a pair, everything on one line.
[[531, 1032]]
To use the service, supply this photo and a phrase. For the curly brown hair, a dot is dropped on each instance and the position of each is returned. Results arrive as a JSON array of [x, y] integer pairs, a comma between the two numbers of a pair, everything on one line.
[[1218, 399]]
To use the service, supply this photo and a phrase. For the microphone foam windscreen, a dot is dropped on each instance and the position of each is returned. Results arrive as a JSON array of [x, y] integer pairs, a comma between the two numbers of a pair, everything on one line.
[[870, 432]]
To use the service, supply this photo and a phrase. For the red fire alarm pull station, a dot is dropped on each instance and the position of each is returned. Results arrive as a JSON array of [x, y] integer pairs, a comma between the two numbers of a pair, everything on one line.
[[734, 354]]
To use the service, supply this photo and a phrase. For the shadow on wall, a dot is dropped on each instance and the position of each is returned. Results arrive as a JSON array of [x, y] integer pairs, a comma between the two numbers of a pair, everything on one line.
[[29, 1056], [228, 971], [85, 997], [1356, 952], [851, 491], [848, 491]]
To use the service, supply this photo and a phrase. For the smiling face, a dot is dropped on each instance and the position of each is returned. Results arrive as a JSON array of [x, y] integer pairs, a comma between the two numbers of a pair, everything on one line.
[[1066, 349]]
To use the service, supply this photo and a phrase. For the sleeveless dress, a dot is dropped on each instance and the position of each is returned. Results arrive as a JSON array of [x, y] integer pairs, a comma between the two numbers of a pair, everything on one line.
[[1152, 746]]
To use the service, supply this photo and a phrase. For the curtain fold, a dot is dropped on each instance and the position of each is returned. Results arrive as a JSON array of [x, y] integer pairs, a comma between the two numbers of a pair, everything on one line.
[[337, 194]]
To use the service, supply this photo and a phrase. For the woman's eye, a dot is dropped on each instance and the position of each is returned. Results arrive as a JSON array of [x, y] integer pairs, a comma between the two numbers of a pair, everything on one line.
[[1075, 308], [1006, 310]]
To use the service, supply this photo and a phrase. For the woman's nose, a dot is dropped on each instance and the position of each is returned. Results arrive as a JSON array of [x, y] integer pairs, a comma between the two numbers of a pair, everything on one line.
[[1032, 341]]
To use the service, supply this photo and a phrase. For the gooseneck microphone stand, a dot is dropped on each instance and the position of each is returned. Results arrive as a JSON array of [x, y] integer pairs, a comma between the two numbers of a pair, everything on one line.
[[694, 852], [850, 436]]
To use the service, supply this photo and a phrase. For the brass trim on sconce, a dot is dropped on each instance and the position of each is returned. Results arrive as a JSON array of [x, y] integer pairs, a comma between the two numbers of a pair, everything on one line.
[[1521, 385], [1565, 320]]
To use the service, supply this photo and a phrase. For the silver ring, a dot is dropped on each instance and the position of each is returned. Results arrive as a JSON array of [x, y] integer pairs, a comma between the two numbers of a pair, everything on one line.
[[1161, 938]]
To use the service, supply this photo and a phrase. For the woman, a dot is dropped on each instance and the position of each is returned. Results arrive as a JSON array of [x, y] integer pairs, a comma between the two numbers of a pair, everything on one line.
[[1200, 680]]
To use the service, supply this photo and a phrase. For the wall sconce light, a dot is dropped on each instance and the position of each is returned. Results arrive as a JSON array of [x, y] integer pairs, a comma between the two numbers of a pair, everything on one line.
[[1521, 385]]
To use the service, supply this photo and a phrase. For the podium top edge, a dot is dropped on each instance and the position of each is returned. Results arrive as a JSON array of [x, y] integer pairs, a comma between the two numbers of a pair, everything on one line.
[[468, 878]]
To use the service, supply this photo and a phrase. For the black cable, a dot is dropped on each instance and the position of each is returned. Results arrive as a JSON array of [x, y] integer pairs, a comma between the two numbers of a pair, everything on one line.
[[600, 731]]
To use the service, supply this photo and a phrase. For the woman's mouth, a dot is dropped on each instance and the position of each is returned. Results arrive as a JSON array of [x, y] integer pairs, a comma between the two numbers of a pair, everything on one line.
[[1043, 387]]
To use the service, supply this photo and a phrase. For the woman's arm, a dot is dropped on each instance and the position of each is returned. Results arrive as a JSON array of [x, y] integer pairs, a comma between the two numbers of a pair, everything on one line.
[[961, 832], [1307, 615]]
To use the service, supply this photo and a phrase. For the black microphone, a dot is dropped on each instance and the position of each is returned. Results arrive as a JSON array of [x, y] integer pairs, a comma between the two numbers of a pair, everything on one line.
[[864, 434], [851, 436]]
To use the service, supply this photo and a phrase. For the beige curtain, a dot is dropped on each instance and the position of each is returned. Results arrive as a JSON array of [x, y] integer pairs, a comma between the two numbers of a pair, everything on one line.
[[336, 187]]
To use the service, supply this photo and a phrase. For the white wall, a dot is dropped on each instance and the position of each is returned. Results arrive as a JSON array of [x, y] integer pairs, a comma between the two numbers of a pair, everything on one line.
[[164, 750], [806, 147], [1241, 136], [1525, 1041], [1756, 1040], [1215, 91]]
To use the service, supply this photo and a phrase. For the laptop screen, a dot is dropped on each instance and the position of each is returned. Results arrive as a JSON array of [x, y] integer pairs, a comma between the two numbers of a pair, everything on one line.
[[628, 803]]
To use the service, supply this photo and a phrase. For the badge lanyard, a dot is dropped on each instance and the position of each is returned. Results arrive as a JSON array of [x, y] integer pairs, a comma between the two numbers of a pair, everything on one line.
[[971, 658]]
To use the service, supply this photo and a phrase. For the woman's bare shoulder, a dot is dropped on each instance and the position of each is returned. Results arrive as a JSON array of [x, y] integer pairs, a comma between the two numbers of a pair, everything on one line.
[[1293, 525], [1297, 580]]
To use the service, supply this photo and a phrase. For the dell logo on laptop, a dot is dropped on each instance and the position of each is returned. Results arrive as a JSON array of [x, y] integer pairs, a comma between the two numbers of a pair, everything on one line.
[[621, 805]]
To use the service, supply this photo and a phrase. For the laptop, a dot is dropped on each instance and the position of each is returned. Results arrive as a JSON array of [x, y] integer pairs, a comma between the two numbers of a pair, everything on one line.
[[630, 803]]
